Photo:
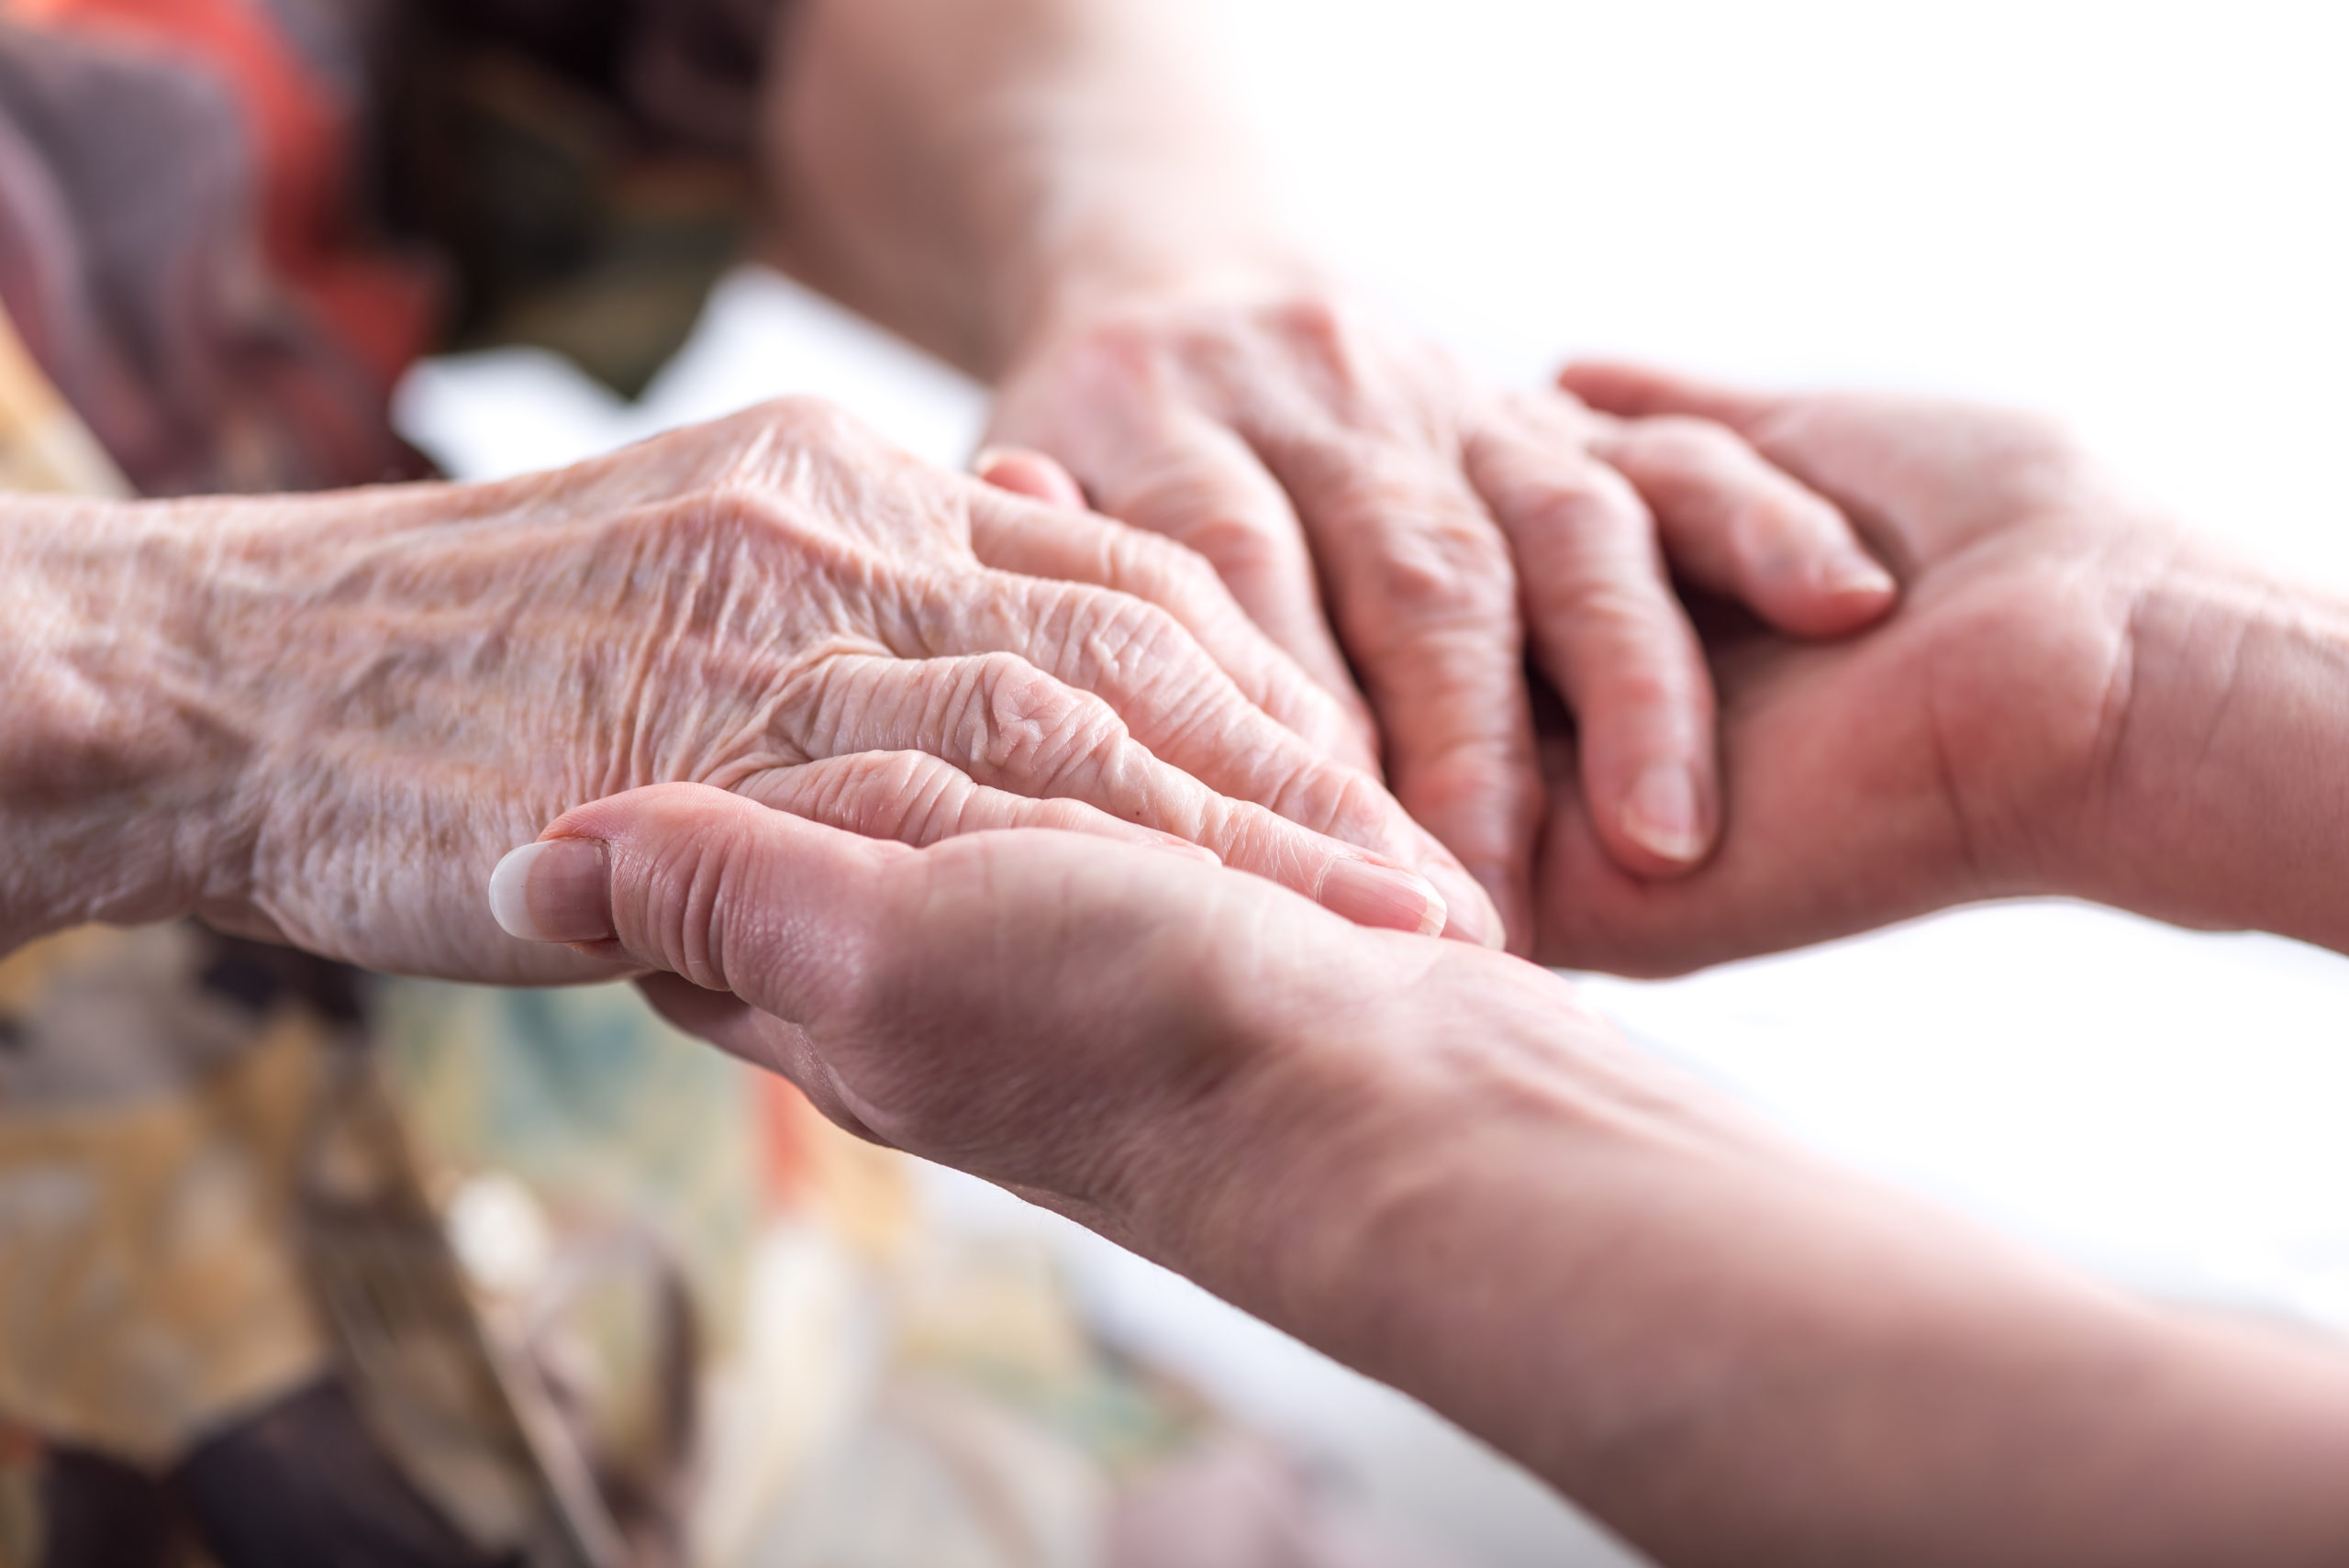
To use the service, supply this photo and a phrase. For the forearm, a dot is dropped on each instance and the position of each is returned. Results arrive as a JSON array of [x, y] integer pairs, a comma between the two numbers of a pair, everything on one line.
[[2223, 800], [113, 763], [962, 171], [1732, 1353]]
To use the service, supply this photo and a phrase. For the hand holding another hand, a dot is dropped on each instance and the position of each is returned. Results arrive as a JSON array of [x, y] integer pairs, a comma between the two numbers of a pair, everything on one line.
[[1313, 452], [1969, 748]]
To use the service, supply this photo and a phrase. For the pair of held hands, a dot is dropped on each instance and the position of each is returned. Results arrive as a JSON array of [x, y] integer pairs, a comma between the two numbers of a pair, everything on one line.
[[361, 697], [975, 999]]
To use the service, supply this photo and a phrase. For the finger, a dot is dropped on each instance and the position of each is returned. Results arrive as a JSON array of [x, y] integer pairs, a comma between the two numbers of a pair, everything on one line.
[[1200, 485], [1426, 599], [702, 884], [1010, 725], [916, 798], [1733, 524], [1025, 472], [1640, 391], [1609, 633], [1079, 546], [1920, 477], [1150, 673]]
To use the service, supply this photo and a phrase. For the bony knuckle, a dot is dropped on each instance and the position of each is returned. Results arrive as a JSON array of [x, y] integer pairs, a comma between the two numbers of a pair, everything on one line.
[[1233, 540], [1440, 573], [805, 419], [1319, 326], [1023, 721], [1123, 633]]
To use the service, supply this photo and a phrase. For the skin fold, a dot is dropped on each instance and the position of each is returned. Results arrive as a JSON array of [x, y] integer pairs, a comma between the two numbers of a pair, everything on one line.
[[1430, 1161]]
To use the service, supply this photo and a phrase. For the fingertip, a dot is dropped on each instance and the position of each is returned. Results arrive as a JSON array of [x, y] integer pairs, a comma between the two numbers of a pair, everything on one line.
[[557, 890], [1474, 898], [1023, 471], [1834, 596], [1385, 898], [1855, 575], [1665, 813]]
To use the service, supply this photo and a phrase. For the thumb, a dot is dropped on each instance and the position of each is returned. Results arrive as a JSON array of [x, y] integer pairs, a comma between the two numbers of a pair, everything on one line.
[[694, 882]]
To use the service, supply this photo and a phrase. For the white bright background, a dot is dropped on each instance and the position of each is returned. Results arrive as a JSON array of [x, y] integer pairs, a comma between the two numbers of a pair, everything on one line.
[[2135, 215]]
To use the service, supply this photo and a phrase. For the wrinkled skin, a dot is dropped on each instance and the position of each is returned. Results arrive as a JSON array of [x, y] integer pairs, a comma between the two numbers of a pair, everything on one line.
[[376, 694], [1965, 748], [1382, 515]]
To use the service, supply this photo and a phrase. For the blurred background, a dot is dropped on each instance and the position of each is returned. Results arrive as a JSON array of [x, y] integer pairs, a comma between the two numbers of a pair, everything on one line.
[[2135, 216]]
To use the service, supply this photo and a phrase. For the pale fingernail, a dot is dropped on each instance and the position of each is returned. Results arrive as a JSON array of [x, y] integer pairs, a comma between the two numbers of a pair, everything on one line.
[[1383, 896], [558, 890], [986, 458], [1660, 815], [1854, 574]]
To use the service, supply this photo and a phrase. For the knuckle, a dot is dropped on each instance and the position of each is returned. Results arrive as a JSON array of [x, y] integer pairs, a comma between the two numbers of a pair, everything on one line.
[[1579, 502], [1236, 542], [1126, 637], [1320, 328], [891, 794], [804, 418], [1018, 720], [1446, 570]]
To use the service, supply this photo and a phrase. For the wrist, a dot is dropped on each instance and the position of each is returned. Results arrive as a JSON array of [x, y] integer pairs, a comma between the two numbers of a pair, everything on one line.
[[2223, 806], [115, 767], [1429, 1182]]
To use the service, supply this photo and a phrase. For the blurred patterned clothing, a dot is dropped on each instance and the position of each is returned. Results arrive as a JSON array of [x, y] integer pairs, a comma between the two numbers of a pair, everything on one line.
[[227, 227], [300, 1266]]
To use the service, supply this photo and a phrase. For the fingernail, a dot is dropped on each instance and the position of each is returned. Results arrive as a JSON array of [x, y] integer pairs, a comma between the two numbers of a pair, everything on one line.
[[1854, 574], [986, 458], [558, 890], [1661, 814], [1380, 895]]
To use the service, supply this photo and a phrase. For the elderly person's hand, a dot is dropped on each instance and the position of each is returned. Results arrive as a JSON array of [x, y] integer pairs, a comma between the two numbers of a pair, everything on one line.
[[1426, 1160], [2068, 682], [1045, 192], [319, 719], [1314, 452]]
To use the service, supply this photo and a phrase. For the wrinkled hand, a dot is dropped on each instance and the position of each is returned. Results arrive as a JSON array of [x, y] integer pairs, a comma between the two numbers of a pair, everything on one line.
[[1305, 448], [778, 603], [1958, 751]]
